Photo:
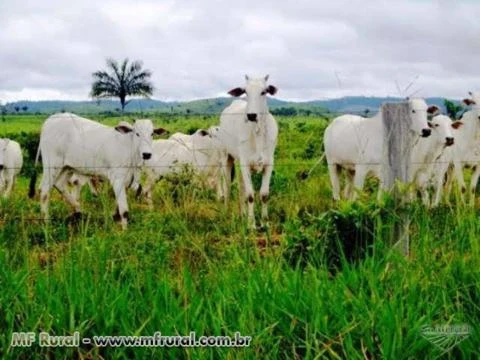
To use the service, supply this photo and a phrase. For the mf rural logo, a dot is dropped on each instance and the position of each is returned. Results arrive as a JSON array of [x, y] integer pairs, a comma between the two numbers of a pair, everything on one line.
[[446, 337]]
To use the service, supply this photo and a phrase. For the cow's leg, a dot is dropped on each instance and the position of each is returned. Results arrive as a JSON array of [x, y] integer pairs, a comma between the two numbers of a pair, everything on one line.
[[334, 172], [347, 191], [122, 204], [9, 181], [265, 188], [458, 171], [447, 183], [438, 187], [147, 188], [241, 192], [2, 181], [473, 183], [248, 193], [218, 182], [147, 192], [227, 175], [358, 180], [423, 188], [48, 182]]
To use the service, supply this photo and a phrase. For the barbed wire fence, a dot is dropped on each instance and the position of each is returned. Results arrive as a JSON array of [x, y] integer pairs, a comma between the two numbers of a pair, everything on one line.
[[281, 164]]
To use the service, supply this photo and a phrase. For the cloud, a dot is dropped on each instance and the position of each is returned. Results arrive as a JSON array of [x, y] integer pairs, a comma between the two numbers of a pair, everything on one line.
[[202, 48]]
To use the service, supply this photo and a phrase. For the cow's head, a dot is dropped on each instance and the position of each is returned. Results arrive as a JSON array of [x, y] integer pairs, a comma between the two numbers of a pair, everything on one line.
[[419, 112], [142, 133], [442, 129], [474, 100], [256, 91]]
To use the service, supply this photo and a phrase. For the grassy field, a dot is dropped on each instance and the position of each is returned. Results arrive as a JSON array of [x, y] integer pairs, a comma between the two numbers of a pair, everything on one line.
[[320, 282]]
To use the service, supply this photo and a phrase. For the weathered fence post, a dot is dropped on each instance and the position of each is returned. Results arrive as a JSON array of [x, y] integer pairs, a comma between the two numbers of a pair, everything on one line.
[[397, 143]]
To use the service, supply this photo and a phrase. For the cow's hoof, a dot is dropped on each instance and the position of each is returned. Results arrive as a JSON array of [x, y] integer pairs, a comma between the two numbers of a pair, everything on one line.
[[75, 218], [302, 175], [117, 217]]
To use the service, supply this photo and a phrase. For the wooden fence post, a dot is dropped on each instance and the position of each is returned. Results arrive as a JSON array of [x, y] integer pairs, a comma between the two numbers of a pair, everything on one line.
[[397, 144]]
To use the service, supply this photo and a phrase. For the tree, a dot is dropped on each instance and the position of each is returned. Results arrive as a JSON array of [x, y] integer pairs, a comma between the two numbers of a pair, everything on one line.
[[24, 108], [452, 108], [122, 80]]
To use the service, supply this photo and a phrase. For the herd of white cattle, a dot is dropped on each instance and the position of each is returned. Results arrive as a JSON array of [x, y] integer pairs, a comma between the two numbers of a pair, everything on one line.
[[441, 150], [75, 151]]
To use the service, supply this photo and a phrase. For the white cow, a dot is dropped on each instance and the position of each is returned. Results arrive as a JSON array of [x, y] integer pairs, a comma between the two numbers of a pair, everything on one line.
[[77, 181], [249, 133], [202, 152], [72, 144], [467, 150], [11, 161], [355, 144], [431, 157]]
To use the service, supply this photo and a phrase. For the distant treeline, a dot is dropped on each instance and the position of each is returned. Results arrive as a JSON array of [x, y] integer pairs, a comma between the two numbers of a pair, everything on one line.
[[354, 104]]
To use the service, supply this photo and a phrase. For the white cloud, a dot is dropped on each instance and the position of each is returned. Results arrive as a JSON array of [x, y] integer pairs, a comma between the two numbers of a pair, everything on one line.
[[202, 48]]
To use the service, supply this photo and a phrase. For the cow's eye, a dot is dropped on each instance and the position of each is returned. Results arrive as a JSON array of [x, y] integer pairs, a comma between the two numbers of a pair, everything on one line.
[[413, 111], [264, 92], [137, 134], [436, 125]]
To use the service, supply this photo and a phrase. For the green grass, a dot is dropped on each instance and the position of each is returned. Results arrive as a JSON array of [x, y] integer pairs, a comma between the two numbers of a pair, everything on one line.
[[320, 283]]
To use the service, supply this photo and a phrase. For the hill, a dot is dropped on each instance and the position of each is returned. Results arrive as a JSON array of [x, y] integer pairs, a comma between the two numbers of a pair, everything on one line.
[[355, 104]]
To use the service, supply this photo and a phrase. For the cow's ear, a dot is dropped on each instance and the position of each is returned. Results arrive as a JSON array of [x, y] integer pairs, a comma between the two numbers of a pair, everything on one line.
[[457, 124], [124, 129], [160, 131], [272, 90], [202, 132], [237, 92], [468, 102], [433, 110]]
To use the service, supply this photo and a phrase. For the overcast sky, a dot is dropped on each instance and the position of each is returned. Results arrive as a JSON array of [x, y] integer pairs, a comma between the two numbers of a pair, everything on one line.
[[312, 49]]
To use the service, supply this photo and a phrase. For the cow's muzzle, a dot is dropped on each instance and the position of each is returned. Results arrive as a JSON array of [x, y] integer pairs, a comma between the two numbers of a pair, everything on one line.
[[449, 141], [252, 117], [146, 156], [426, 132]]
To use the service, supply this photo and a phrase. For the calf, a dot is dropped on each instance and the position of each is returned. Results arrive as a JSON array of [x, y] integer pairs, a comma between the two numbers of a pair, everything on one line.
[[70, 144], [249, 133], [467, 151], [201, 151], [355, 144], [11, 162], [430, 157]]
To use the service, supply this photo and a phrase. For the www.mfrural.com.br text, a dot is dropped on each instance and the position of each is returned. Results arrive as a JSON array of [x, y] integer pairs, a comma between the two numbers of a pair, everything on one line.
[[44, 339]]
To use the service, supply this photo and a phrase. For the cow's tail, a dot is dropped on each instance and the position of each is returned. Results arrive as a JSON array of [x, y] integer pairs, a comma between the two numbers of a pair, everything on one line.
[[33, 178]]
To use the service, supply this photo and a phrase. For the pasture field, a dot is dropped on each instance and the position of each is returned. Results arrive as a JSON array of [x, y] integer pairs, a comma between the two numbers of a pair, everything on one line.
[[320, 282]]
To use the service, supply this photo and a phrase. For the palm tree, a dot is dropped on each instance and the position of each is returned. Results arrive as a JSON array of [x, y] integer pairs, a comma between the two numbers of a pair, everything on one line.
[[122, 80]]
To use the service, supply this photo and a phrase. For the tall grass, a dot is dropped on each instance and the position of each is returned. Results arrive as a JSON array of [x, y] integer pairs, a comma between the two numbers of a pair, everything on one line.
[[321, 282]]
